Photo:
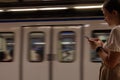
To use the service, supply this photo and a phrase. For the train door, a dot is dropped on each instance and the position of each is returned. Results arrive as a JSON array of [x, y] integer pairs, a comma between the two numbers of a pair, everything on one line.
[[35, 51], [52, 53], [67, 49], [92, 61], [9, 53]]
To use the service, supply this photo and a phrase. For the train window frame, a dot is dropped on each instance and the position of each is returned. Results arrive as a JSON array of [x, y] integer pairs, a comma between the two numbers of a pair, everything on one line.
[[104, 31], [13, 53], [29, 47], [60, 47]]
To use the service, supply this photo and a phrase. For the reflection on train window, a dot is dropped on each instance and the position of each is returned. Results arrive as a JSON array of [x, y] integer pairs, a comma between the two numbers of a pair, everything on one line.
[[102, 35], [37, 45], [66, 46], [6, 46]]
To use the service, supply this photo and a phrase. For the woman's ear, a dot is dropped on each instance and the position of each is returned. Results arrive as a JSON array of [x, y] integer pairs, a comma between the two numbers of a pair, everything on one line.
[[114, 12]]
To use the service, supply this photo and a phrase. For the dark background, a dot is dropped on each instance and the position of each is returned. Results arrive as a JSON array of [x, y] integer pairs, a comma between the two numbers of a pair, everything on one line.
[[48, 14]]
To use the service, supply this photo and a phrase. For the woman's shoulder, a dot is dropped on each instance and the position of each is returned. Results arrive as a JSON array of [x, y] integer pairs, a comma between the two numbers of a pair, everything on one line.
[[116, 27]]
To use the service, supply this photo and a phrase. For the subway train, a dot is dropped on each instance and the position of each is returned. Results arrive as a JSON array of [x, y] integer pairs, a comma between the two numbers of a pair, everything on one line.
[[51, 49]]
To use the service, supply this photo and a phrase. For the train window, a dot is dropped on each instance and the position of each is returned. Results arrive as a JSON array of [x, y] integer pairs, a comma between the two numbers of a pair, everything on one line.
[[66, 46], [37, 45], [6, 46], [102, 35]]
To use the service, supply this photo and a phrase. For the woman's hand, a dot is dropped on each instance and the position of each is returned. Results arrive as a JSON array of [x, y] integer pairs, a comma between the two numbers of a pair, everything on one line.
[[95, 42]]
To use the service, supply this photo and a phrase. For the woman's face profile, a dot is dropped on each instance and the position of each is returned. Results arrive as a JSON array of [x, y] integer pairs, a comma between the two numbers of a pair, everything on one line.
[[110, 17], [107, 16]]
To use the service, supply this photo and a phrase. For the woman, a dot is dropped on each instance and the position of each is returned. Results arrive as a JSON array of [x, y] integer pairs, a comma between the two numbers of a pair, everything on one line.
[[110, 51]]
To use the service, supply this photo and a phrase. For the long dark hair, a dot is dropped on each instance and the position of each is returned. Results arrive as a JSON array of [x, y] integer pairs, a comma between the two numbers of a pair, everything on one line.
[[111, 5]]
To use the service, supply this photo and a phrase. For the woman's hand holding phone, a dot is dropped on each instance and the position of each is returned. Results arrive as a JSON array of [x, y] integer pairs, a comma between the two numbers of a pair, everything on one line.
[[94, 42]]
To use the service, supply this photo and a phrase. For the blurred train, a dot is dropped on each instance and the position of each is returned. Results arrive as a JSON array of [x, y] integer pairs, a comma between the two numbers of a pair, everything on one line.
[[50, 49]]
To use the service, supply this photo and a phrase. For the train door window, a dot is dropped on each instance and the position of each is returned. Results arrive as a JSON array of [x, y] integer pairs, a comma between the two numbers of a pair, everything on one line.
[[37, 45], [102, 35], [6, 46], [66, 46]]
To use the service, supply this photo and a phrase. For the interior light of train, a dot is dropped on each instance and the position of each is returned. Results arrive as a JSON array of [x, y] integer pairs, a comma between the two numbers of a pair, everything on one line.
[[53, 8], [1, 10], [39, 43], [32, 9], [68, 42], [88, 7], [10, 43]]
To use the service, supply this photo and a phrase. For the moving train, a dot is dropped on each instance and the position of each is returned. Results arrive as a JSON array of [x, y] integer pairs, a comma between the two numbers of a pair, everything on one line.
[[50, 49]]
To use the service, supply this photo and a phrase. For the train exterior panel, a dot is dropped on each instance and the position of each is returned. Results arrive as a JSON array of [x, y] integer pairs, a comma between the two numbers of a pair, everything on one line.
[[50, 49]]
